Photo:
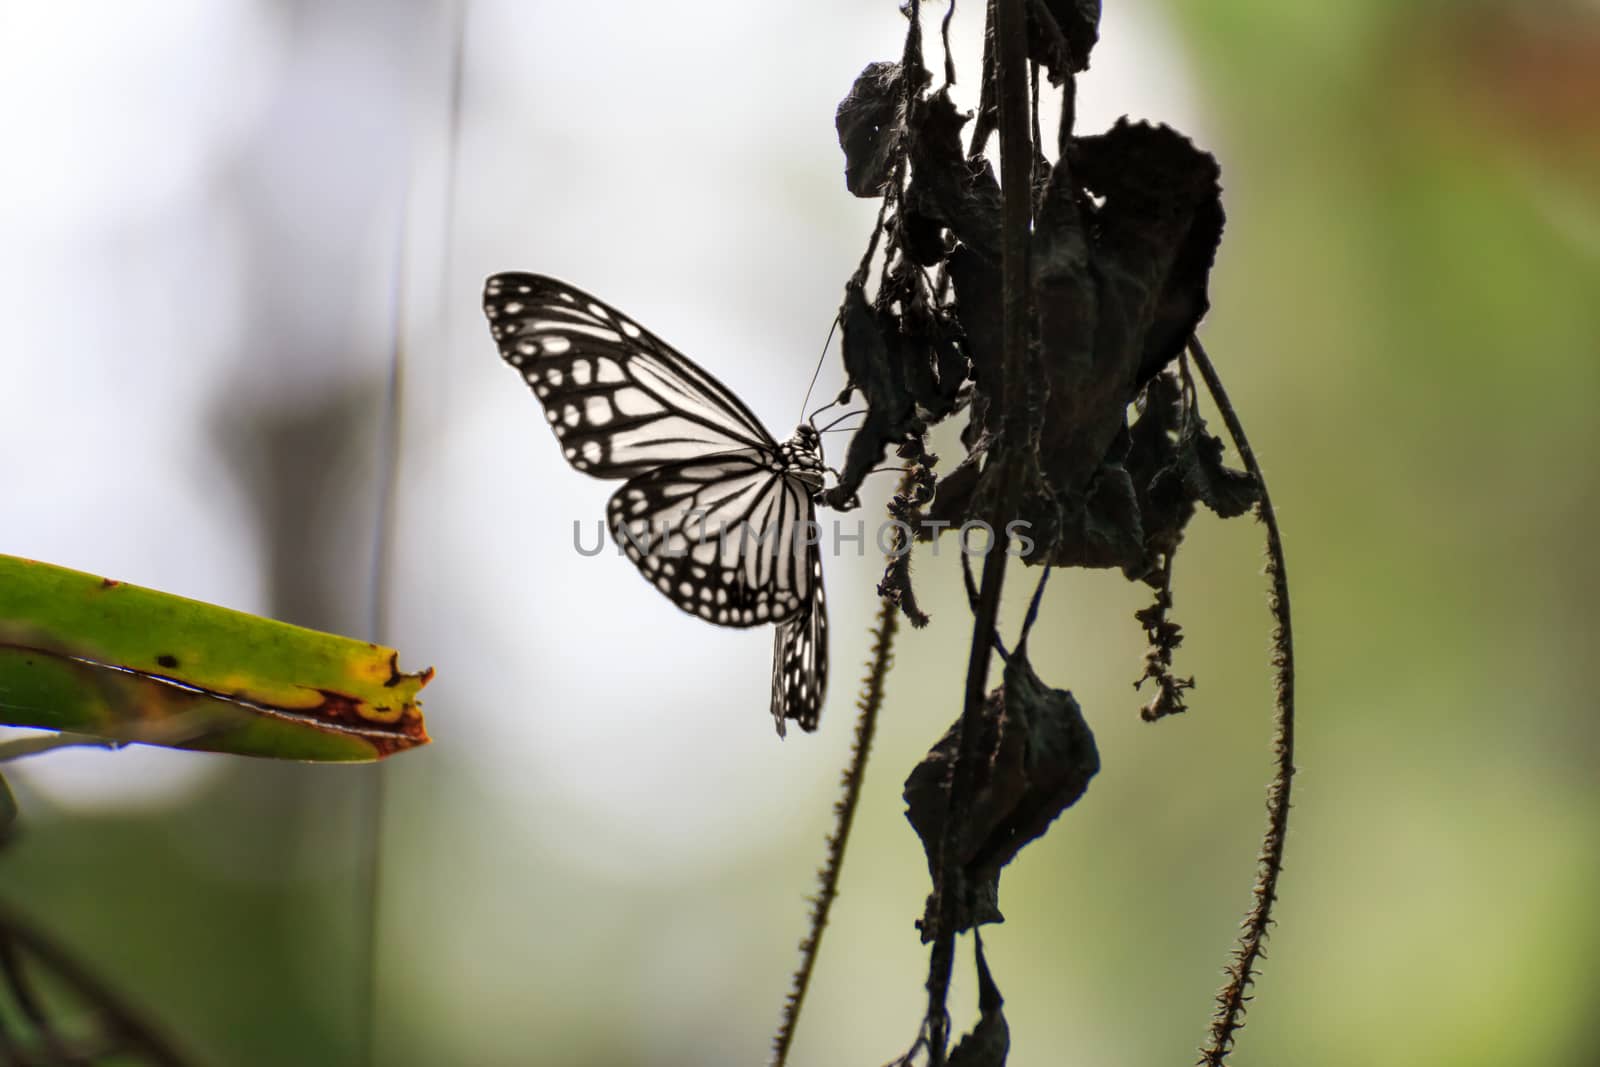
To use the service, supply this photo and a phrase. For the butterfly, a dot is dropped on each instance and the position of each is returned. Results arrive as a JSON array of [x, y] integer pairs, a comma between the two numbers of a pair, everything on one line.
[[715, 514]]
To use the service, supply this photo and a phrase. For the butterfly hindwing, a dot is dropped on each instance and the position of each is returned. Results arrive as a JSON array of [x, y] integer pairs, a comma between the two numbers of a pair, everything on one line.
[[725, 537], [620, 400], [800, 660]]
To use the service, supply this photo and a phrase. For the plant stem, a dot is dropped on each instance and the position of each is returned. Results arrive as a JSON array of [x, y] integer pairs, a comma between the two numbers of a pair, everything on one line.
[[1231, 999], [1009, 32], [844, 810]]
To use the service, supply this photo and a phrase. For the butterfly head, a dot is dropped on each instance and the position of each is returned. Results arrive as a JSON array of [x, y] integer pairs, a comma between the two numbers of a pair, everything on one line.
[[806, 437], [802, 455]]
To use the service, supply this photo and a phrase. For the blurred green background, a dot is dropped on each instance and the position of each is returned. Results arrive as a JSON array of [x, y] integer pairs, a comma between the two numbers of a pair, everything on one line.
[[601, 858]]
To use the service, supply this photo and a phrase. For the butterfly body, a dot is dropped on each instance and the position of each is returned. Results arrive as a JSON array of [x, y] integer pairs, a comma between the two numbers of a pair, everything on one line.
[[801, 457], [718, 516]]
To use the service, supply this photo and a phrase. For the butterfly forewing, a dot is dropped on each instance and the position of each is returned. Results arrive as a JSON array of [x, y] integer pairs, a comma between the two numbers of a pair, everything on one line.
[[620, 400]]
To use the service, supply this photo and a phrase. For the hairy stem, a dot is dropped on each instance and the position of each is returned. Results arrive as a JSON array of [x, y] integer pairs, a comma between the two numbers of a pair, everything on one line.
[[1241, 970], [844, 810], [1008, 30]]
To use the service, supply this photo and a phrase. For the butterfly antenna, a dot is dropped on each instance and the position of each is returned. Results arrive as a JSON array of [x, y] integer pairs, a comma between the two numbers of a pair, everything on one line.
[[835, 422], [834, 325]]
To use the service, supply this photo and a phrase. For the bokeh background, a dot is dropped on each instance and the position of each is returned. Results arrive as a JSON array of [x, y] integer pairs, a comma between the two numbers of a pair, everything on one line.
[[241, 359]]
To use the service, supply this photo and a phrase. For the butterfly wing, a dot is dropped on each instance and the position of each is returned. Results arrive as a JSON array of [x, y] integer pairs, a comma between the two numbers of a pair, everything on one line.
[[800, 659], [725, 537], [708, 513], [620, 400]]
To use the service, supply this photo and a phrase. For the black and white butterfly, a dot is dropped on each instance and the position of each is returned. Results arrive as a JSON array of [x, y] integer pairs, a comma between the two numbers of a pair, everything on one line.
[[715, 514]]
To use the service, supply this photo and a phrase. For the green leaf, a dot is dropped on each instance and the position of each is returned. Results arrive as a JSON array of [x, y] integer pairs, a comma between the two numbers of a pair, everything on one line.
[[115, 661]]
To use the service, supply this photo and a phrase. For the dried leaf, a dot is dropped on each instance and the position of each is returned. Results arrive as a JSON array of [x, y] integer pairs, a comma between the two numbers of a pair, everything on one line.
[[1176, 464], [870, 121], [1037, 755], [870, 342], [978, 310], [1061, 33], [1157, 233], [1226, 491], [990, 1041], [948, 189]]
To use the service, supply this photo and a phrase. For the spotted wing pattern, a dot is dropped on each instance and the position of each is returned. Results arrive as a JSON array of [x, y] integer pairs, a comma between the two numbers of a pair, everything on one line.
[[724, 537], [714, 513], [620, 400], [800, 659]]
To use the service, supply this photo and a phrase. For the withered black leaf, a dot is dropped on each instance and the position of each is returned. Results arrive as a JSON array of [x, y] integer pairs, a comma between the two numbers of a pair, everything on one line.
[[977, 308], [1102, 527], [870, 121], [1165, 502], [866, 339], [904, 355], [990, 1041], [1156, 235], [947, 188], [1224, 490], [1061, 34], [935, 363], [874, 360], [1107, 286], [1176, 464], [1119, 283], [1038, 755], [1125, 233]]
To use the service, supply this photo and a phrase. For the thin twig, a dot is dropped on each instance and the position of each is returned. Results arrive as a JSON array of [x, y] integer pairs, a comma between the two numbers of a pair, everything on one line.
[[1039, 168], [374, 791], [880, 659], [29, 1004], [174, 732], [865, 267], [132, 1034], [1033, 606], [34, 744], [944, 35], [1232, 998], [1008, 31], [983, 124]]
